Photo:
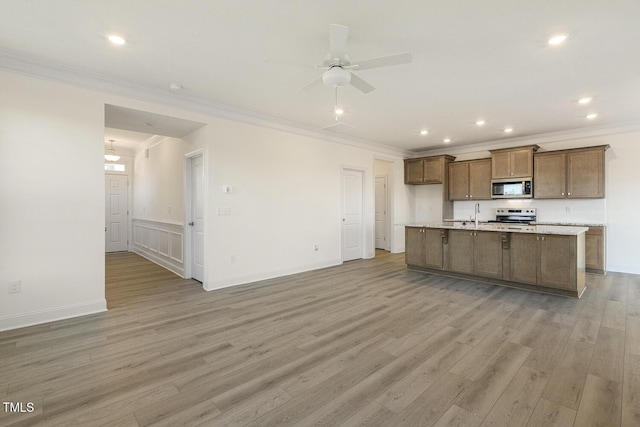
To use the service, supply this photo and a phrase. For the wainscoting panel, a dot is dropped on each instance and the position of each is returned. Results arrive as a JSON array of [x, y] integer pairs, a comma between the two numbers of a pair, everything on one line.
[[160, 242]]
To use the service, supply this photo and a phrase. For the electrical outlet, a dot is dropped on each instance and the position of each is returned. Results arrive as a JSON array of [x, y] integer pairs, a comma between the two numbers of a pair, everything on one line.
[[14, 286], [233, 259], [316, 247]]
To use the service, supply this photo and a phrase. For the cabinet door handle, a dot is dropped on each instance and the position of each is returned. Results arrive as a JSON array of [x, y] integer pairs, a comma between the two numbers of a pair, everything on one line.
[[562, 193], [568, 194], [471, 196]]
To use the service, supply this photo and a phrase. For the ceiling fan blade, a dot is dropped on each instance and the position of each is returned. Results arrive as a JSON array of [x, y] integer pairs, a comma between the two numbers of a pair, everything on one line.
[[360, 84], [337, 41], [315, 82], [384, 61]]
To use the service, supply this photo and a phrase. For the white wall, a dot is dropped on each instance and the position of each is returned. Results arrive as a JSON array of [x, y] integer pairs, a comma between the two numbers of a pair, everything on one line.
[[618, 209], [286, 198], [158, 184], [52, 215], [428, 203]]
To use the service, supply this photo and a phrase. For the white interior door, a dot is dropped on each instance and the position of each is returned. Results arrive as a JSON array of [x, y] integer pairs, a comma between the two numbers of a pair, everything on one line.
[[352, 220], [197, 218], [382, 240], [116, 213]]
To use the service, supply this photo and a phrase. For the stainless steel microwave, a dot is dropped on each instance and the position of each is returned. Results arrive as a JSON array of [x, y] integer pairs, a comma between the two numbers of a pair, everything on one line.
[[510, 188]]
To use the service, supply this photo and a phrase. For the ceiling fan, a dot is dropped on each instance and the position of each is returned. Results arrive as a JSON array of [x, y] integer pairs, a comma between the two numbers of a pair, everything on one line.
[[339, 67]]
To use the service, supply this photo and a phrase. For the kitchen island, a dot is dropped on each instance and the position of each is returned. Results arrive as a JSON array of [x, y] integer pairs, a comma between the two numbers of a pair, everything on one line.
[[543, 258]]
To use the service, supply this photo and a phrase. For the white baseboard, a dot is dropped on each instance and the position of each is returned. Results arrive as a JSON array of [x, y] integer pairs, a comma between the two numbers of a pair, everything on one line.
[[241, 280], [160, 260], [52, 314]]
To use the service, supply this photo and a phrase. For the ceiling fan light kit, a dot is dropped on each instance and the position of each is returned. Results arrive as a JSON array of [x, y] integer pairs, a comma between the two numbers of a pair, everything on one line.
[[336, 76]]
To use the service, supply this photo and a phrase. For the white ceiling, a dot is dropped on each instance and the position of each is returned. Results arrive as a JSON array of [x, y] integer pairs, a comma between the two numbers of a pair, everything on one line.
[[130, 129], [471, 60]]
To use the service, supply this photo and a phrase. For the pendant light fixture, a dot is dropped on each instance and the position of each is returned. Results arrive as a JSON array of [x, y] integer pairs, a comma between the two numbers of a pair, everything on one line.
[[111, 155]]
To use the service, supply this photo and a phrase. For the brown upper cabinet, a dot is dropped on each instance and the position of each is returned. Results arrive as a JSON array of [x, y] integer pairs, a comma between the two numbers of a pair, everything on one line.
[[574, 174], [426, 170], [512, 162], [470, 180]]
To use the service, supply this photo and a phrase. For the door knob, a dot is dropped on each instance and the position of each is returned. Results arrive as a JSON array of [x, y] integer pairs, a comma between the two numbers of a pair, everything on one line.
[[191, 224]]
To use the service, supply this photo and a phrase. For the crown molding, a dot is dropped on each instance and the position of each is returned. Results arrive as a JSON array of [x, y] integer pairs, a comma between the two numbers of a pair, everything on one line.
[[35, 67], [543, 138]]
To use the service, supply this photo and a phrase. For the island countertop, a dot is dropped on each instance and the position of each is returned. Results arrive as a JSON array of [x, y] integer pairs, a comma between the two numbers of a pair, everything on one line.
[[504, 228]]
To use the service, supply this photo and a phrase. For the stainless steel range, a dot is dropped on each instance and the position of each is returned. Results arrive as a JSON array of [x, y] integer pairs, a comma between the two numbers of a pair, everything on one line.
[[515, 215]]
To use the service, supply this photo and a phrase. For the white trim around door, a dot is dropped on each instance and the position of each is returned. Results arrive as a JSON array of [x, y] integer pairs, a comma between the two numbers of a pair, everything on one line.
[[194, 209]]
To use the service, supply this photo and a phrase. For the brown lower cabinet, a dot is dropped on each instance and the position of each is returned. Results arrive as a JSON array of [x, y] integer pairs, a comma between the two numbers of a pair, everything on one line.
[[545, 262], [423, 247], [595, 245], [475, 252]]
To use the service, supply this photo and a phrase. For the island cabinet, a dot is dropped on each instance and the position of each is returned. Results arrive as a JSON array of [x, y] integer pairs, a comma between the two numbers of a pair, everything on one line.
[[470, 180], [426, 170], [542, 258], [552, 261], [512, 162], [475, 252], [574, 174], [424, 247]]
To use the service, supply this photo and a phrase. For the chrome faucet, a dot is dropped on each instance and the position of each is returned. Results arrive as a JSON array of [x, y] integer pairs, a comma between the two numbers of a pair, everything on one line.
[[477, 211]]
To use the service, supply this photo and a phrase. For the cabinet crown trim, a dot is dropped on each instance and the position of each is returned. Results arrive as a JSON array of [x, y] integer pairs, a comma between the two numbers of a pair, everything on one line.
[[483, 159], [502, 150], [444, 156], [573, 150]]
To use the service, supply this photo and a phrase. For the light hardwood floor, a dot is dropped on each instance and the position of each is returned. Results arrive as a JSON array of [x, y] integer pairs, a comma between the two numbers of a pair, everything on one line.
[[364, 343]]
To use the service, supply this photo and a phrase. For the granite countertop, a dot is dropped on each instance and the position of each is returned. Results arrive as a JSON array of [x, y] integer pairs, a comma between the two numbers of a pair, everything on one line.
[[571, 224], [509, 228]]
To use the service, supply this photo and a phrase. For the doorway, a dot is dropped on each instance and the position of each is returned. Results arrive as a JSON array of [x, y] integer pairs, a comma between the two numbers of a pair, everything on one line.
[[352, 214], [116, 213], [381, 212], [156, 165]]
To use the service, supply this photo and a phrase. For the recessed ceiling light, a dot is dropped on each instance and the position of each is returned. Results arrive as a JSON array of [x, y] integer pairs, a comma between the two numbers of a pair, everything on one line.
[[116, 39], [339, 111], [480, 122], [592, 116], [584, 100], [175, 87], [446, 140], [508, 130], [424, 132], [557, 39]]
